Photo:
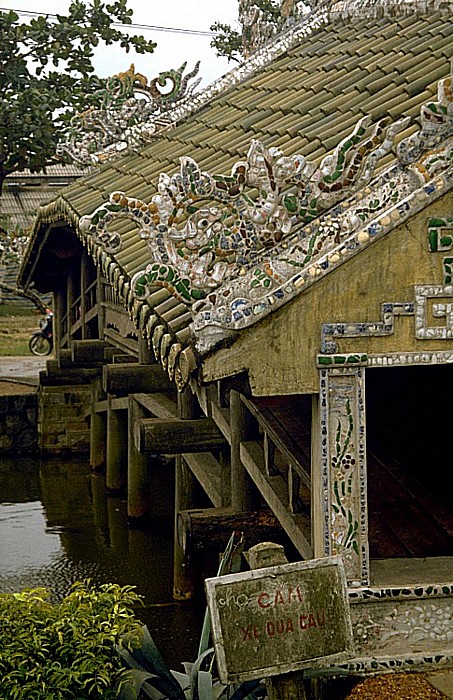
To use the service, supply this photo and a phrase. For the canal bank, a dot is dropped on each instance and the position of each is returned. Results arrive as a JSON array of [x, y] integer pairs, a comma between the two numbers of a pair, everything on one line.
[[59, 525]]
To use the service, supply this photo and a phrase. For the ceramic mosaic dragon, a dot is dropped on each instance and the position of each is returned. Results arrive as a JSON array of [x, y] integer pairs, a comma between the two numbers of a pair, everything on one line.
[[126, 112], [203, 229], [234, 247]]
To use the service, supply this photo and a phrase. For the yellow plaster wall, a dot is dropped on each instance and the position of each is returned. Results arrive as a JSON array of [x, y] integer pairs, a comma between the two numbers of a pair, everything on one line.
[[280, 352]]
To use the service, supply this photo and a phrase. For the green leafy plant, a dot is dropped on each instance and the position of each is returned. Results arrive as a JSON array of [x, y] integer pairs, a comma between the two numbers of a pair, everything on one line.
[[67, 650], [47, 72]]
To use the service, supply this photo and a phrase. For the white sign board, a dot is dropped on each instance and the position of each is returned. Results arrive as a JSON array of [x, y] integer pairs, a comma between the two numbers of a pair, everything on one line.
[[280, 619]]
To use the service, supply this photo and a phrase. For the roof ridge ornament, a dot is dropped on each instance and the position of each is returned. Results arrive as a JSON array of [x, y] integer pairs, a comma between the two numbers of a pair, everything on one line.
[[204, 229], [436, 123], [126, 112]]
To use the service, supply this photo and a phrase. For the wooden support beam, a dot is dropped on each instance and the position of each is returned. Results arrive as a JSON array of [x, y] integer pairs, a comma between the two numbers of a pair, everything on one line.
[[243, 493], [297, 526], [159, 405], [201, 529], [175, 436], [185, 497], [132, 378], [56, 376], [208, 472], [221, 416], [88, 351], [98, 428], [143, 475]]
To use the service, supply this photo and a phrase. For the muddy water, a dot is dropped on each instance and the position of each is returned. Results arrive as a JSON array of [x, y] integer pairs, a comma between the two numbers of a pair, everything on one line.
[[58, 526]]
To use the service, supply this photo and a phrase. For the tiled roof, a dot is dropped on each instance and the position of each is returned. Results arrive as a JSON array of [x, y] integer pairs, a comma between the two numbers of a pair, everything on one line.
[[305, 101], [60, 171], [24, 191]]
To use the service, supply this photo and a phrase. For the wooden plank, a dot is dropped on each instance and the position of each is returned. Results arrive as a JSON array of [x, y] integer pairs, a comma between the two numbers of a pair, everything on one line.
[[296, 526], [134, 378], [128, 345], [119, 404], [200, 529], [221, 416], [208, 472], [159, 405], [403, 519], [175, 436], [290, 433]]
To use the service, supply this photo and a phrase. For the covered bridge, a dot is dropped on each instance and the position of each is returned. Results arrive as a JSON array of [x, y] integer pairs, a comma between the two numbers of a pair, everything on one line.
[[265, 291]]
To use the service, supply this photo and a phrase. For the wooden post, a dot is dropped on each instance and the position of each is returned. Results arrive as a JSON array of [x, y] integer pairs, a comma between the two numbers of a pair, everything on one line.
[[289, 686], [243, 496], [145, 353], [138, 475], [185, 488], [100, 302], [116, 457], [97, 429], [59, 311], [123, 379], [84, 263], [70, 298]]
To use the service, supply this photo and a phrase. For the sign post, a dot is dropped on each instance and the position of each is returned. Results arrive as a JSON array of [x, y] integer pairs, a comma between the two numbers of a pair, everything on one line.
[[280, 619]]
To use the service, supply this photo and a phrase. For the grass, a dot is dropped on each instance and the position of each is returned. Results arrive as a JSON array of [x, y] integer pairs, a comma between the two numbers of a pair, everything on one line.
[[16, 327]]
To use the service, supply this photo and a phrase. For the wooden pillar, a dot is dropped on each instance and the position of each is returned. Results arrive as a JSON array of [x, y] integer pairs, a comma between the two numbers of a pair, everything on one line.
[[185, 489], [289, 686], [138, 475], [98, 428], [84, 283], [339, 476], [145, 354], [70, 298], [100, 303], [243, 496], [59, 312], [117, 449]]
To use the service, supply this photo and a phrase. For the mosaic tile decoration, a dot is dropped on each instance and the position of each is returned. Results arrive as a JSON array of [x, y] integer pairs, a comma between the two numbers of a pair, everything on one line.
[[235, 259], [330, 331], [124, 114], [343, 465], [257, 30], [203, 230], [440, 238], [389, 621], [442, 309]]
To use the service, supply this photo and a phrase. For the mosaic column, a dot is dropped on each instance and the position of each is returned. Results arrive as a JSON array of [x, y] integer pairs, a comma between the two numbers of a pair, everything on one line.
[[342, 526]]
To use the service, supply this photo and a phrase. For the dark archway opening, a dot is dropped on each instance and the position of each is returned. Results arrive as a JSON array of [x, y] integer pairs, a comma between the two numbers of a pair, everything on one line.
[[410, 461]]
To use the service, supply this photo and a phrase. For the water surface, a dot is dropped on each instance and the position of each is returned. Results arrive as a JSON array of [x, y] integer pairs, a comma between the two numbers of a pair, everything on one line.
[[58, 526]]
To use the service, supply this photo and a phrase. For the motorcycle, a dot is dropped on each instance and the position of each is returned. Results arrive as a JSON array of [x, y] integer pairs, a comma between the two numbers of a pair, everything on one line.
[[41, 341]]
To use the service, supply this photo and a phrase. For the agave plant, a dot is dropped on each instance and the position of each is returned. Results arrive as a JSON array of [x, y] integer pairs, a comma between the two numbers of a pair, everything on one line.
[[149, 677]]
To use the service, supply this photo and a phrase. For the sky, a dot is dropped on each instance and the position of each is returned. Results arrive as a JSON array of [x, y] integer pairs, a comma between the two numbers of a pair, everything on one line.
[[173, 49]]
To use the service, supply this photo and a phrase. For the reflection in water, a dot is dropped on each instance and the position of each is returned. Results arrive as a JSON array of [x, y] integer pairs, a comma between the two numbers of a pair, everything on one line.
[[58, 526]]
